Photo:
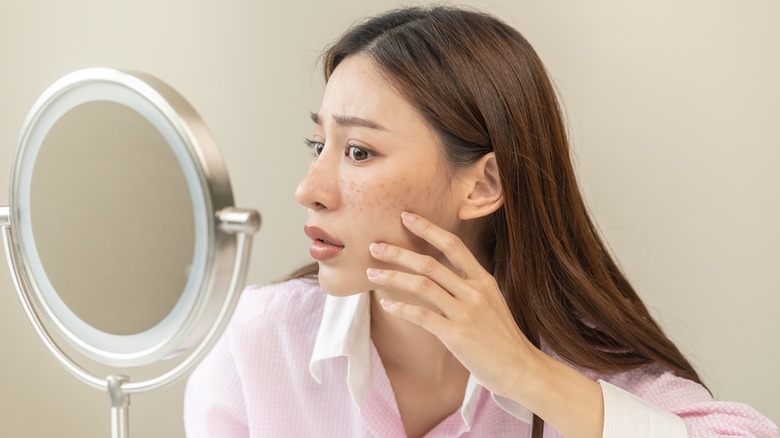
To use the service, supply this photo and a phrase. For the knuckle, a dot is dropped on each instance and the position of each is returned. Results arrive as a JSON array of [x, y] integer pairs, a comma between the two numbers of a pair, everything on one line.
[[420, 314], [452, 242], [424, 284], [428, 265]]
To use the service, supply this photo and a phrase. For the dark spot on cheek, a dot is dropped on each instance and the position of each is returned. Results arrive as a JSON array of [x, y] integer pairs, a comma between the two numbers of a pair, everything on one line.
[[383, 199]]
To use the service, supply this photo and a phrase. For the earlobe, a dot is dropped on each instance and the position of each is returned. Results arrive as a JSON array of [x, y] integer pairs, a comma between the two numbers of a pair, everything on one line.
[[484, 193]]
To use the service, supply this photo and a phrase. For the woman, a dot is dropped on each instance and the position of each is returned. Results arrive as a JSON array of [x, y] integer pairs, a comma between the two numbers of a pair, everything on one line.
[[460, 287]]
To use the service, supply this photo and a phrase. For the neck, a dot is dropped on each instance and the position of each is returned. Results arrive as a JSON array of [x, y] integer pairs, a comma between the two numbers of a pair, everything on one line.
[[406, 347]]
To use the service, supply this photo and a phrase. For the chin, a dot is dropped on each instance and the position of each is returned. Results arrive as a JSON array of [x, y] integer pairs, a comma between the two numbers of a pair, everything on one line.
[[340, 284]]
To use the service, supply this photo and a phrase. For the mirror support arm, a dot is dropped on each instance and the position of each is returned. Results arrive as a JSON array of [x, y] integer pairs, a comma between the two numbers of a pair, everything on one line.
[[238, 220]]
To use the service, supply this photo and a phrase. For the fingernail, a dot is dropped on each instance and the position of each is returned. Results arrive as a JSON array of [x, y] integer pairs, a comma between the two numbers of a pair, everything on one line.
[[386, 303], [372, 273], [376, 248], [408, 217]]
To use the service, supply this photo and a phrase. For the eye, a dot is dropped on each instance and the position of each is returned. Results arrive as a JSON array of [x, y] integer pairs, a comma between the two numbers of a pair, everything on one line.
[[358, 154], [315, 146]]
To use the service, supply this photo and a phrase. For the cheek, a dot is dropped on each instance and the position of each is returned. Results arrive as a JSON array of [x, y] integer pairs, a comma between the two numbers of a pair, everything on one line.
[[375, 208], [382, 201]]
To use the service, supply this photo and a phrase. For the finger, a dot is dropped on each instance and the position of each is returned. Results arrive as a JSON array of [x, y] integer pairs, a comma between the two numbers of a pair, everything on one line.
[[425, 318], [417, 285], [422, 265], [449, 244]]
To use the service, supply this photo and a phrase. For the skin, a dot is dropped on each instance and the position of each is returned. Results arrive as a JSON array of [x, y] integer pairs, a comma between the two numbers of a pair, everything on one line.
[[434, 302]]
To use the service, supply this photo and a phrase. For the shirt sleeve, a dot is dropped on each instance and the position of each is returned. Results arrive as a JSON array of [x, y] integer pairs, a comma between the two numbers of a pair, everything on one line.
[[628, 415], [213, 399], [656, 403]]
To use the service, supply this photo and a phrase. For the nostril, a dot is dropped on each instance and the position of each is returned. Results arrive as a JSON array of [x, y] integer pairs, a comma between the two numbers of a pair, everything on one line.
[[317, 191]]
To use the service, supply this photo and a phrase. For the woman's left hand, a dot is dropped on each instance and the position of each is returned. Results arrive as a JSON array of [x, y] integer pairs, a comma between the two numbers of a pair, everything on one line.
[[469, 314]]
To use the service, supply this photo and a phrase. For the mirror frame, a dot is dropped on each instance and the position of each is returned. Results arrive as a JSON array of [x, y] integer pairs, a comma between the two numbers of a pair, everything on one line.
[[210, 192]]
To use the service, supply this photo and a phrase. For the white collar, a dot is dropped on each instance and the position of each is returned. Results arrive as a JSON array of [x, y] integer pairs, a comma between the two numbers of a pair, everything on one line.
[[345, 331]]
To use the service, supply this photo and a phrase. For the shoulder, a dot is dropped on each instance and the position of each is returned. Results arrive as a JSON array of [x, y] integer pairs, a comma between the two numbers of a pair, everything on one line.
[[287, 298], [293, 305], [267, 344]]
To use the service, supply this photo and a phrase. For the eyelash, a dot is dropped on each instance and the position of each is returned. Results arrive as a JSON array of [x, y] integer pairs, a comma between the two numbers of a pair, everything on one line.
[[311, 144], [318, 146]]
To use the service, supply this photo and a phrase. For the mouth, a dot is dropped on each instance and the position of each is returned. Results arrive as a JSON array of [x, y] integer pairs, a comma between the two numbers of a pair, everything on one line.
[[323, 247], [318, 234]]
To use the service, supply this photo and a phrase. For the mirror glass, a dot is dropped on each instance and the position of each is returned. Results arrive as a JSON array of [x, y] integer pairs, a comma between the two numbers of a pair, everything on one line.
[[112, 218]]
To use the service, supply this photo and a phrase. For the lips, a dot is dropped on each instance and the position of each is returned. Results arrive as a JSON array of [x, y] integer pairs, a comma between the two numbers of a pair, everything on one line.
[[323, 247]]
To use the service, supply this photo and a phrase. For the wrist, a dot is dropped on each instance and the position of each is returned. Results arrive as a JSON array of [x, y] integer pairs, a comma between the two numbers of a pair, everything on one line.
[[522, 378], [562, 396]]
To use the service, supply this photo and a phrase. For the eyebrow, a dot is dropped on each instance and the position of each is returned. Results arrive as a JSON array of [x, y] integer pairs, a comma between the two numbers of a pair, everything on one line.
[[342, 120]]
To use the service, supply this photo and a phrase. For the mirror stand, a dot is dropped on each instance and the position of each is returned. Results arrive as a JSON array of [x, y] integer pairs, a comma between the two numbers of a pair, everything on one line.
[[120, 406], [242, 223]]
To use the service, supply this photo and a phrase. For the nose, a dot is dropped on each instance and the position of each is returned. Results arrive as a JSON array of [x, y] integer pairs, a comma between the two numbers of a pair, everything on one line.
[[319, 188]]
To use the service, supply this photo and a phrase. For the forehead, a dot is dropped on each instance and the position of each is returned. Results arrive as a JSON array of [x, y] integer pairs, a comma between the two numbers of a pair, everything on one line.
[[357, 89]]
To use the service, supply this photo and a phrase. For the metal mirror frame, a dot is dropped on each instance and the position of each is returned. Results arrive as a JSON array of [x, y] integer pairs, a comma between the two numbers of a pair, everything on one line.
[[222, 244]]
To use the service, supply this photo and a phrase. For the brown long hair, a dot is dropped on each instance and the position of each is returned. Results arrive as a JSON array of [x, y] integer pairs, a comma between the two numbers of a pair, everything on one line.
[[480, 85]]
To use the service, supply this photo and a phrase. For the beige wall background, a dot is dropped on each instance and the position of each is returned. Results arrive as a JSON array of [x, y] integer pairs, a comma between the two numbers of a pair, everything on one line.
[[674, 109]]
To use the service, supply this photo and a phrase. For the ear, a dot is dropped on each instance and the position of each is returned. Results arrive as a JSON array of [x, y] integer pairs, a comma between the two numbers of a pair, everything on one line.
[[482, 188]]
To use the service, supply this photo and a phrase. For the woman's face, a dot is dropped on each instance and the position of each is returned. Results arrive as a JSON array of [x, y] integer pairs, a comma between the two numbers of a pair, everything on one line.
[[374, 157]]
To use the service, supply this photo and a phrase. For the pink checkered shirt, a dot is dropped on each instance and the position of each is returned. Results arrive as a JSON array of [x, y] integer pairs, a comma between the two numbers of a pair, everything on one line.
[[295, 362]]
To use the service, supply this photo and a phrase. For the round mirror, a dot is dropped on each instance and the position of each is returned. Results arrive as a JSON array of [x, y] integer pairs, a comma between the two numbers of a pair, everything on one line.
[[87, 247], [121, 232]]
